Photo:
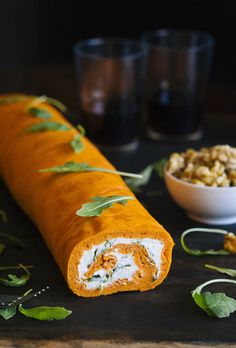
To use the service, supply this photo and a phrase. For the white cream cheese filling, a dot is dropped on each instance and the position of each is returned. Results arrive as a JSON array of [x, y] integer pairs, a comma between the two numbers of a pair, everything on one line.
[[125, 267]]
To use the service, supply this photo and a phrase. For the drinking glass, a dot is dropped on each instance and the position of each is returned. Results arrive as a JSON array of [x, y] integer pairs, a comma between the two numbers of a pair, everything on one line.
[[178, 68], [110, 75]]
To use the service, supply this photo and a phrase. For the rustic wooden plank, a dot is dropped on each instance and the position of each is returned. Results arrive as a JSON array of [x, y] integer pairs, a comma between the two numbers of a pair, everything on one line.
[[102, 344]]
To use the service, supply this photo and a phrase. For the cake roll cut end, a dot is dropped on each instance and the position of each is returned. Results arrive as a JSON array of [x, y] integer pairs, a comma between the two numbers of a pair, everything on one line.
[[121, 264]]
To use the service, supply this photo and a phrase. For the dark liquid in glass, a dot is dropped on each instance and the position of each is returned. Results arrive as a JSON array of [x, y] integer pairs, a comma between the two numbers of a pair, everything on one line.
[[171, 114], [111, 123]]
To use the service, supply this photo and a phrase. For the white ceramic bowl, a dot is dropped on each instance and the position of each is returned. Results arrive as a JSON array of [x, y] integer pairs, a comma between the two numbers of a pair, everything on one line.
[[211, 205]]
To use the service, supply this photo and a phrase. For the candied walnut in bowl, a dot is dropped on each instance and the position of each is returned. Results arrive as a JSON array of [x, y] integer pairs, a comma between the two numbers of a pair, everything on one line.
[[204, 183]]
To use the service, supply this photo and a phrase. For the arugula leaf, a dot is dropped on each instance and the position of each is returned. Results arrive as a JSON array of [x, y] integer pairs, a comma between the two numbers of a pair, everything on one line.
[[2, 247], [219, 304], [15, 281], [68, 167], [5, 268], [77, 144], [39, 313], [81, 130], [135, 183], [3, 216], [47, 126], [12, 240], [73, 167], [228, 271], [12, 99], [99, 204], [159, 167], [214, 304], [20, 266], [7, 313], [45, 313], [40, 113], [48, 100], [197, 252]]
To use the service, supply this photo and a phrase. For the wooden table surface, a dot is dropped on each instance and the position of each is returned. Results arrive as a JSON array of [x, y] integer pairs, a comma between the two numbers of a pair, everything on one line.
[[164, 317]]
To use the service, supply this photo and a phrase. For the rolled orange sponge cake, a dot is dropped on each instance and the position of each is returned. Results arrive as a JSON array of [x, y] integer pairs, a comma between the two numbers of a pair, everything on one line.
[[123, 249]]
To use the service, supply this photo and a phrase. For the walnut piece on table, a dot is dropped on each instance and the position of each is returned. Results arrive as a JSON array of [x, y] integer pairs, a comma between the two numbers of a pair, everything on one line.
[[230, 242]]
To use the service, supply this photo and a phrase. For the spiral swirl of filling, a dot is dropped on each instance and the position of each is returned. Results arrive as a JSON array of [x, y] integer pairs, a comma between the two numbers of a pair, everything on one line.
[[121, 261]]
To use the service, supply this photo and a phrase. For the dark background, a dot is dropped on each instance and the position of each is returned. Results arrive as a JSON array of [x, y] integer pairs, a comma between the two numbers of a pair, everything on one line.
[[36, 32]]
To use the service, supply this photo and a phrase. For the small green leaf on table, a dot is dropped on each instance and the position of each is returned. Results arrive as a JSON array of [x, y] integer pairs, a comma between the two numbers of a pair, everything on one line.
[[230, 272], [14, 281], [20, 266], [2, 247], [12, 240], [7, 313], [214, 304], [135, 183], [197, 252], [159, 167], [40, 313], [3, 216], [45, 313]]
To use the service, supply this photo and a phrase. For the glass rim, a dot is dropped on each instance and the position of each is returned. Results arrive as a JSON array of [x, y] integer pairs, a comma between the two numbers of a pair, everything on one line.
[[81, 47], [209, 40]]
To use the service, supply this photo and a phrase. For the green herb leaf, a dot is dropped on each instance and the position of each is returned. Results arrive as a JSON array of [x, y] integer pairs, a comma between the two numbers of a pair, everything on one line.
[[77, 143], [12, 99], [219, 304], [81, 130], [47, 126], [40, 113], [228, 271], [20, 266], [197, 252], [15, 281], [45, 313], [159, 167], [68, 167], [3, 215], [73, 167], [214, 304], [48, 100], [135, 183], [12, 240], [99, 204], [2, 247], [7, 313]]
